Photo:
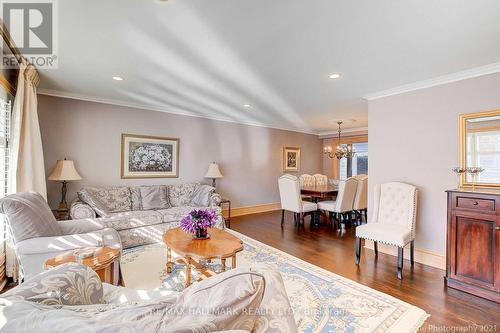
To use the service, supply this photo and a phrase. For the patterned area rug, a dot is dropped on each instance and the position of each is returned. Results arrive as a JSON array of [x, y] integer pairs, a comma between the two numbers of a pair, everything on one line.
[[322, 301]]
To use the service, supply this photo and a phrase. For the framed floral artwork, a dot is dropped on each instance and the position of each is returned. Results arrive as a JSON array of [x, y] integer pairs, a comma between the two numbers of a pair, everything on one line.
[[149, 157], [291, 159]]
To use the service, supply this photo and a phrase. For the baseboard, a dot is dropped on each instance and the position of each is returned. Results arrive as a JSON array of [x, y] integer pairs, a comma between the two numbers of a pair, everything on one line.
[[422, 256], [239, 211]]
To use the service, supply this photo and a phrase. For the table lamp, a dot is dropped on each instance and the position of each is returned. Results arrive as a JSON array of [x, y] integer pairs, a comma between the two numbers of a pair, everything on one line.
[[64, 171], [213, 172]]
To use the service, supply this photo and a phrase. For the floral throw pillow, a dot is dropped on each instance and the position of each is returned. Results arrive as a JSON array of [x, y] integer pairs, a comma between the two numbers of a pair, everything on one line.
[[107, 199], [180, 195], [67, 284]]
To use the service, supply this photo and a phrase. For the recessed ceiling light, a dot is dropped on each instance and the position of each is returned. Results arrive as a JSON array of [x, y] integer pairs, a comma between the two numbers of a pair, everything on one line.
[[117, 78], [334, 76], [246, 105]]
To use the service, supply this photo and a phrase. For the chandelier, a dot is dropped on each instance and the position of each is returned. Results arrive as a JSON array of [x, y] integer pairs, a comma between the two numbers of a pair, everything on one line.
[[340, 152]]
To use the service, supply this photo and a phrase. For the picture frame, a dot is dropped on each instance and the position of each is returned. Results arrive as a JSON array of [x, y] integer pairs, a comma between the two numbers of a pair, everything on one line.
[[144, 156], [291, 159]]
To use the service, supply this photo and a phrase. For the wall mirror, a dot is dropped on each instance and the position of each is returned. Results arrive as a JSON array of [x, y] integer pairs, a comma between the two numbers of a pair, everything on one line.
[[480, 147]]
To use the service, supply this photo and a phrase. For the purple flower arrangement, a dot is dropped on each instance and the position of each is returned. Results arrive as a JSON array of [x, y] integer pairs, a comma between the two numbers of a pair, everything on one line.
[[198, 221]]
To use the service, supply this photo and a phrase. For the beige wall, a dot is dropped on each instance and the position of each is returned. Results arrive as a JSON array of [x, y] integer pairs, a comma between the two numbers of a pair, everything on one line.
[[250, 157], [414, 138]]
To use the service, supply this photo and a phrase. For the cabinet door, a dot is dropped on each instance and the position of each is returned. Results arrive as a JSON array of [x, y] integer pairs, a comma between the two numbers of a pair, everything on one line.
[[474, 250]]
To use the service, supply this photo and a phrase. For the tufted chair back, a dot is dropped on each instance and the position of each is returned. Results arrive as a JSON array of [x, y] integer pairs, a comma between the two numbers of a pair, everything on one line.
[[361, 176], [320, 179], [345, 196], [307, 180], [396, 203], [360, 201], [289, 188]]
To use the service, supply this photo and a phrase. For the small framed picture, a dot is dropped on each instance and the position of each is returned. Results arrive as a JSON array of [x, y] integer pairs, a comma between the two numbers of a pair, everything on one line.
[[149, 157], [291, 159]]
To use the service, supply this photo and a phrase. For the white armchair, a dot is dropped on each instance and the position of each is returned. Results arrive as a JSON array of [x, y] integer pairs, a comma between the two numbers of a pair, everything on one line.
[[289, 188], [342, 205], [393, 220], [38, 236]]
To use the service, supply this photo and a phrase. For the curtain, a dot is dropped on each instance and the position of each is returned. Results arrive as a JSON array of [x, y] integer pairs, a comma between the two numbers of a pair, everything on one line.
[[27, 170], [26, 167]]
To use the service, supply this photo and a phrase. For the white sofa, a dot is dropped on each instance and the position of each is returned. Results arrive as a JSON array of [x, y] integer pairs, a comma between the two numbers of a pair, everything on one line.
[[71, 298], [142, 214]]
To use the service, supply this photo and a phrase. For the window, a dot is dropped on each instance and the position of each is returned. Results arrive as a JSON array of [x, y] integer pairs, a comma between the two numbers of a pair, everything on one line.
[[5, 114], [483, 149], [5, 111], [358, 164]]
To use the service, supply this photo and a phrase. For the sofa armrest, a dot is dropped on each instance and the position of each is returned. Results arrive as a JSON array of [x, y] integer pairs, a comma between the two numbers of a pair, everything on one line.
[[108, 236], [66, 284], [215, 199], [80, 210], [80, 226]]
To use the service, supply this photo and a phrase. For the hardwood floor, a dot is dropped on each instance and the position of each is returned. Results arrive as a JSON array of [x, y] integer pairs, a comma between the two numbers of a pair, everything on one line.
[[422, 286]]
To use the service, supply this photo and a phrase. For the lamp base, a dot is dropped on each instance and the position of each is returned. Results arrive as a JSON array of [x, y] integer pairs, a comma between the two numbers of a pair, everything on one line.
[[63, 205]]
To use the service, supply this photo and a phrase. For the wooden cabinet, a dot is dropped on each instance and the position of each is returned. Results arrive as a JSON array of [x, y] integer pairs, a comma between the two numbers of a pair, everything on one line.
[[473, 242]]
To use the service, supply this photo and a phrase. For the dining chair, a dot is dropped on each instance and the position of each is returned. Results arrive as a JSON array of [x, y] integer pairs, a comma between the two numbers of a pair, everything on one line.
[[320, 179], [307, 180], [360, 200], [289, 188], [393, 220], [342, 205]]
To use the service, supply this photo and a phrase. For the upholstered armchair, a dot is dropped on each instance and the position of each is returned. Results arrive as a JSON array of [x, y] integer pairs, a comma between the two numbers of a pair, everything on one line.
[[342, 205], [289, 188], [393, 220], [38, 236]]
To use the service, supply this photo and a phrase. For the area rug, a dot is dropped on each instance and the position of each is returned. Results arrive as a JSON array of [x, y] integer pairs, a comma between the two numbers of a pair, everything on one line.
[[322, 301]]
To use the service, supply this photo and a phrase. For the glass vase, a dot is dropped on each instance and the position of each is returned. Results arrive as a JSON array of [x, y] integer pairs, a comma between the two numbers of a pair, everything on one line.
[[201, 233]]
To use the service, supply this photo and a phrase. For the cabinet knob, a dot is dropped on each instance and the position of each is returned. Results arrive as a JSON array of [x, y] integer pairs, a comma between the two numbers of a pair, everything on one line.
[[497, 228], [475, 203]]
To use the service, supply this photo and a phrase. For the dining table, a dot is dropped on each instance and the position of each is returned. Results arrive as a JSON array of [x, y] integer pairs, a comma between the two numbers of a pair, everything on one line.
[[318, 193]]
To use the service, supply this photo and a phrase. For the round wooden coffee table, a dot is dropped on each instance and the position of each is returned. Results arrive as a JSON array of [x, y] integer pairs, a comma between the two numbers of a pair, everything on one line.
[[221, 245], [105, 262]]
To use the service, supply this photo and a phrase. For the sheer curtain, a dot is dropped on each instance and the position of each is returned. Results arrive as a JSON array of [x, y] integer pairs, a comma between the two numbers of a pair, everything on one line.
[[26, 168]]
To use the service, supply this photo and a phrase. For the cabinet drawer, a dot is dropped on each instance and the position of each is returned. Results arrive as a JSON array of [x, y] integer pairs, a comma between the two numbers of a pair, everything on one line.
[[483, 205]]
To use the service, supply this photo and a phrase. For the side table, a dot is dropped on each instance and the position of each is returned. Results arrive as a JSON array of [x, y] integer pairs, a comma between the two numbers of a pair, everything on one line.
[[105, 262], [228, 202]]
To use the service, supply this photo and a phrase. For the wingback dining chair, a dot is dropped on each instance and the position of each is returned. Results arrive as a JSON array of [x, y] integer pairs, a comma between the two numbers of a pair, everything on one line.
[[360, 200], [307, 180], [289, 188], [393, 220], [342, 205], [320, 179]]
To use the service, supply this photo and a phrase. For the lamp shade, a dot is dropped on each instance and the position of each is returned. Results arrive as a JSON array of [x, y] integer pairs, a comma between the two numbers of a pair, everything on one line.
[[213, 171], [64, 170]]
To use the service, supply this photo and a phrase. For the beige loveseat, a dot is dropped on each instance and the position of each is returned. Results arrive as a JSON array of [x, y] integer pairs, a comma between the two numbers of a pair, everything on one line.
[[142, 214]]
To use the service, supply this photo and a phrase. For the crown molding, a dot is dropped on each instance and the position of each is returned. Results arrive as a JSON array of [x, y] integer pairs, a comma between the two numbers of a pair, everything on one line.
[[82, 97], [353, 131], [437, 81]]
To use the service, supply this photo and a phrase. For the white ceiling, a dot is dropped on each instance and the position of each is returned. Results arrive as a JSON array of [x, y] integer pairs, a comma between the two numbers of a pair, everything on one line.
[[210, 57]]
